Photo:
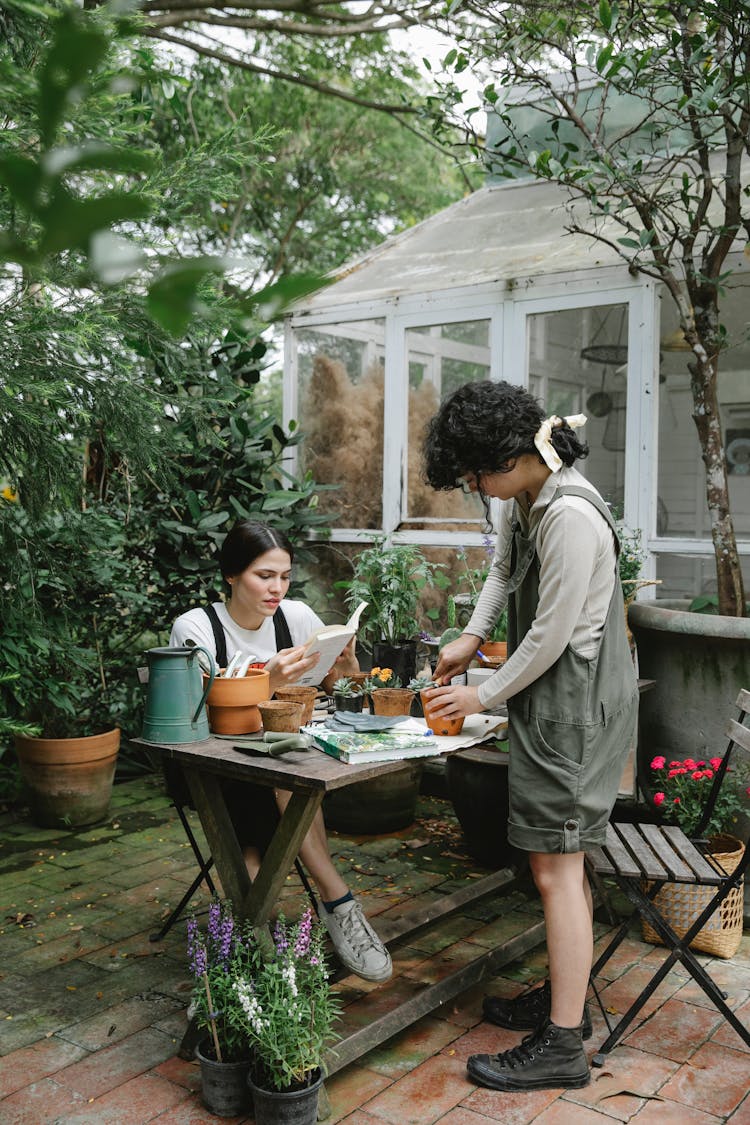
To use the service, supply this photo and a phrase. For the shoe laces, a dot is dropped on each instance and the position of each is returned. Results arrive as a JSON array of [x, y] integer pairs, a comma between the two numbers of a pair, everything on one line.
[[527, 1050], [356, 930]]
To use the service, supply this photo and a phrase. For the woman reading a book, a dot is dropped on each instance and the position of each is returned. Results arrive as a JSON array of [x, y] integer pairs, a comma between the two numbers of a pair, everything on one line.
[[569, 685], [257, 618]]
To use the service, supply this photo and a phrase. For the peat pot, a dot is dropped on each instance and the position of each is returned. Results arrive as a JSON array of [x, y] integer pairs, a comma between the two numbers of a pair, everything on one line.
[[287, 1107], [69, 779], [224, 1085], [700, 662]]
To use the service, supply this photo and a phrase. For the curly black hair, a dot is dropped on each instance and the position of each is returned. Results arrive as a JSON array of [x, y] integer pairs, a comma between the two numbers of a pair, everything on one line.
[[481, 426]]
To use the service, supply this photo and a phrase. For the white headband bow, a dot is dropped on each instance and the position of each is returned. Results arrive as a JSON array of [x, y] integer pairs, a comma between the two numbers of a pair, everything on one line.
[[544, 446]]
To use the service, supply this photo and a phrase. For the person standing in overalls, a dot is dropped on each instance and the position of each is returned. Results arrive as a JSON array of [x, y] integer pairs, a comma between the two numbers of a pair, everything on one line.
[[569, 685]]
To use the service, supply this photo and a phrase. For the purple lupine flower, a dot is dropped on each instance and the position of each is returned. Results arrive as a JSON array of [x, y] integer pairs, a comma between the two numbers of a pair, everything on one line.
[[199, 960], [214, 921], [226, 930], [279, 937], [302, 944]]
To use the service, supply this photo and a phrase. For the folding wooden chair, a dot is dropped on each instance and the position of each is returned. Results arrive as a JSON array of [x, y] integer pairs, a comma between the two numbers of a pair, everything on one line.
[[641, 858]]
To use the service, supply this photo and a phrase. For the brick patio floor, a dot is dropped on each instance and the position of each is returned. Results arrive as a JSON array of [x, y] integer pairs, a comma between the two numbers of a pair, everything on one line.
[[92, 1012]]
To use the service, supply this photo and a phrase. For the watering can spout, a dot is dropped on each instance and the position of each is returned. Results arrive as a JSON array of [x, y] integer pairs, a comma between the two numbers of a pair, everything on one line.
[[176, 696]]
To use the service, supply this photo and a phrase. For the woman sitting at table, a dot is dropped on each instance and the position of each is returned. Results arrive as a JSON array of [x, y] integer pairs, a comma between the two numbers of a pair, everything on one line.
[[256, 563]]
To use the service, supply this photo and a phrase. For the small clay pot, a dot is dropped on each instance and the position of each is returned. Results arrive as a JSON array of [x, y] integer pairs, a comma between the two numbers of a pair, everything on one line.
[[304, 695], [391, 701], [281, 715], [439, 725]]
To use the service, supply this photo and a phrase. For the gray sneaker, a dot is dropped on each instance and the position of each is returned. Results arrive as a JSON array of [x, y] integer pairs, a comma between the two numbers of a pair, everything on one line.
[[358, 946]]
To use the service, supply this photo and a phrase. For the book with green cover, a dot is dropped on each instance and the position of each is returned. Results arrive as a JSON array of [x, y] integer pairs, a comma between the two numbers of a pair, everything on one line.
[[376, 746]]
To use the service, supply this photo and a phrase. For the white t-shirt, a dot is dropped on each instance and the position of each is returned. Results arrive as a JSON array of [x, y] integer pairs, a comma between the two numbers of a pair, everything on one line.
[[260, 643]]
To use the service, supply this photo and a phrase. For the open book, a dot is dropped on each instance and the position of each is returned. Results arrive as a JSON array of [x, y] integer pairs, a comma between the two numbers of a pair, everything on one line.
[[330, 642], [410, 739]]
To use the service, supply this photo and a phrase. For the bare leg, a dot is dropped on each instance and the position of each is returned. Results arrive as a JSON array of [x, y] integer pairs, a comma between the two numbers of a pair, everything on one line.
[[315, 855], [566, 898]]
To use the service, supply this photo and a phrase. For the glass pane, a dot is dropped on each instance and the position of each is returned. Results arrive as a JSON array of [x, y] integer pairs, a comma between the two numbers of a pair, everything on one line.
[[341, 418], [441, 358], [682, 478], [687, 576], [578, 365]]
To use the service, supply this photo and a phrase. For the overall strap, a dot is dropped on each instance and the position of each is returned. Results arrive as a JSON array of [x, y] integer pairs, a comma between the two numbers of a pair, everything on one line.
[[598, 503], [281, 629], [220, 639]]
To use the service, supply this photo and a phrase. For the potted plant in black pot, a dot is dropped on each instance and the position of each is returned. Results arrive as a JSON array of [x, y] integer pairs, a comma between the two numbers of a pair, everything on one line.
[[287, 1012], [347, 695], [390, 579]]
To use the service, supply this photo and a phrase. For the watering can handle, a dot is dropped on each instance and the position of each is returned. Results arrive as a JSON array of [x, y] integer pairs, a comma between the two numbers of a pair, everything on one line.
[[211, 678]]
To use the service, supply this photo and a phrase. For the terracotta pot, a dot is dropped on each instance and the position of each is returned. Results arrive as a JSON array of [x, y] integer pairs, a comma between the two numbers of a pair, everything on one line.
[[69, 779], [281, 715], [439, 726], [495, 651], [391, 701], [304, 695], [233, 703]]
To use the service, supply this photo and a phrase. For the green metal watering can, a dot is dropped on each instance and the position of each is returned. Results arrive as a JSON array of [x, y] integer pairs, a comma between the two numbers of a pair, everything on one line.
[[175, 698]]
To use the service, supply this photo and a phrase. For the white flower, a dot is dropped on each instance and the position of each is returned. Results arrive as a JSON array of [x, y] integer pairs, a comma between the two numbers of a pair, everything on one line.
[[250, 1006], [289, 976]]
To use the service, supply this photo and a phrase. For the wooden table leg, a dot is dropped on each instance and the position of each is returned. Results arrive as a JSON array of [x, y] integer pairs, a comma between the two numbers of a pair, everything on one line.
[[206, 791], [281, 853]]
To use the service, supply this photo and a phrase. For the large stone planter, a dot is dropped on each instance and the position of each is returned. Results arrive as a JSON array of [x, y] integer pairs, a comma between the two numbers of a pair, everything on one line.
[[699, 662]]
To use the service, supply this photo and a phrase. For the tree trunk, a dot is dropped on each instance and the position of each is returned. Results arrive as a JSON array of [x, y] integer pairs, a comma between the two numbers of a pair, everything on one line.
[[707, 417]]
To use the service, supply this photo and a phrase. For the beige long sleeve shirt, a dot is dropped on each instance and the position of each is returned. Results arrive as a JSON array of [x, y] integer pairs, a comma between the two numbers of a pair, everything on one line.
[[576, 555]]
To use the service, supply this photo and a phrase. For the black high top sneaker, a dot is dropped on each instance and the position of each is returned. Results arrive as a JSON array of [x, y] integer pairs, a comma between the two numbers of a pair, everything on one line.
[[528, 1011], [550, 1058]]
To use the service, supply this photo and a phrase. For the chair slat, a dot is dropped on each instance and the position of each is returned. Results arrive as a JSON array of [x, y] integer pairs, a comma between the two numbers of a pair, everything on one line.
[[599, 861], [704, 872], [619, 855], [649, 862], [677, 868], [739, 734], [743, 701]]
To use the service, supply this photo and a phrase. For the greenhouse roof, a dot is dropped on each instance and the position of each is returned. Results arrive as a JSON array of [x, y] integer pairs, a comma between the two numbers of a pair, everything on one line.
[[497, 234]]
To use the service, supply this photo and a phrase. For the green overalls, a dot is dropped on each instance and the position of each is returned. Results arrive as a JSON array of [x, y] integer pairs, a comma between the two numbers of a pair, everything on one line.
[[570, 731]]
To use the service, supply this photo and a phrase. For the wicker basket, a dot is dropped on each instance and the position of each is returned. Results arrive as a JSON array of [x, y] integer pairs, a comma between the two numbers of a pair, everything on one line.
[[680, 903]]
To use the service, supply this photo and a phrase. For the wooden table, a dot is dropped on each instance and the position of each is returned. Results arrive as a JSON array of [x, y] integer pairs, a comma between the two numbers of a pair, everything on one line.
[[309, 775]]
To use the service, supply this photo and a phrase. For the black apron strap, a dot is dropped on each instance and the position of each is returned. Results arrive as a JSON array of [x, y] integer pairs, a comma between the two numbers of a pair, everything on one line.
[[220, 639], [281, 628]]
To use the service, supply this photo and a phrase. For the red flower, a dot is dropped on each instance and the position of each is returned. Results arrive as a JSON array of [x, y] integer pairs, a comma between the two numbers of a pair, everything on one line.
[[676, 801], [660, 798], [697, 775], [673, 765], [714, 763], [689, 764], [708, 773], [658, 763]]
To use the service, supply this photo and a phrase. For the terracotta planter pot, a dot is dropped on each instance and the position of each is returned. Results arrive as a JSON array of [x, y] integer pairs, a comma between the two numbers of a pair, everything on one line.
[[495, 651], [281, 715], [441, 725], [391, 701], [69, 779], [233, 703], [303, 695]]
